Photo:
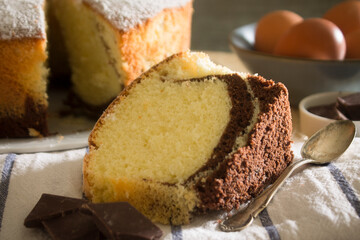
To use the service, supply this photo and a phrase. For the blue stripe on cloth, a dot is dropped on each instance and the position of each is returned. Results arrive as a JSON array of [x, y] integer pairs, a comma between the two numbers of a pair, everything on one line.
[[176, 232], [268, 225], [5, 181], [345, 187]]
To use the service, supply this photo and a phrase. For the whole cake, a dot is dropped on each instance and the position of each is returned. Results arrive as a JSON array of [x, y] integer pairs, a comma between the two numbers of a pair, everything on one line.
[[109, 43], [189, 136]]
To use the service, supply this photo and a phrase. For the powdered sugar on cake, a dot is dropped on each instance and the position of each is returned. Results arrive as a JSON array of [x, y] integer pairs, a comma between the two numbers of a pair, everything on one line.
[[25, 18], [126, 14], [22, 18]]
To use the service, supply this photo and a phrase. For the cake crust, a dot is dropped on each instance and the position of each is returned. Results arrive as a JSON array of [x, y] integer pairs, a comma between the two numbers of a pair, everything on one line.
[[142, 52], [127, 14], [138, 41], [23, 98]]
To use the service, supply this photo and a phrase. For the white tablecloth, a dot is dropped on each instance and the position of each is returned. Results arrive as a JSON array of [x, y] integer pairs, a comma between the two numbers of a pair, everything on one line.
[[320, 202]]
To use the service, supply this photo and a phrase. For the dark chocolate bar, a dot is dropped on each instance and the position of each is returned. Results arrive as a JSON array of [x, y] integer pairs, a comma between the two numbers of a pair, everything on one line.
[[350, 106], [51, 206], [71, 218], [72, 226]]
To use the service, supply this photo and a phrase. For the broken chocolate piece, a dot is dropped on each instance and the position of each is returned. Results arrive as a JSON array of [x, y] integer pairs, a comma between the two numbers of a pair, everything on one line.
[[120, 220], [72, 226], [51, 206], [350, 106], [71, 218]]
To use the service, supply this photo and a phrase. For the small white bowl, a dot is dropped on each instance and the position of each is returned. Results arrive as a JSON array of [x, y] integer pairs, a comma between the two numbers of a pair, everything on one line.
[[311, 123]]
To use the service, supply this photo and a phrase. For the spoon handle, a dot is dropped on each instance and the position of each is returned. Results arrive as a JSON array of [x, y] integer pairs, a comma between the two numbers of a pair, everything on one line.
[[245, 217]]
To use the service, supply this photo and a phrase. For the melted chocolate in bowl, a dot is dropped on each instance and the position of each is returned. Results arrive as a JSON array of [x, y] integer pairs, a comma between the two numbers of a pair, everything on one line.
[[347, 107]]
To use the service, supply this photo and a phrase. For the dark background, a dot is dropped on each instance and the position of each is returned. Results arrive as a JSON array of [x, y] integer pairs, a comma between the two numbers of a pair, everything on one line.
[[213, 20]]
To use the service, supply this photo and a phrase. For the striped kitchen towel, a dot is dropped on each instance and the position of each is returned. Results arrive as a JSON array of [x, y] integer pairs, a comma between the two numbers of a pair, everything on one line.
[[320, 202]]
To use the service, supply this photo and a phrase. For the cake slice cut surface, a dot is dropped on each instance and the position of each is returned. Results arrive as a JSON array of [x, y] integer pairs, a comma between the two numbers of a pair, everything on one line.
[[168, 142], [162, 130]]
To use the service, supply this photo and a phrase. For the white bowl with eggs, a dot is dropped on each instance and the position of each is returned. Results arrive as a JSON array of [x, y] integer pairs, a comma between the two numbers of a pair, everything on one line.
[[310, 122], [301, 76]]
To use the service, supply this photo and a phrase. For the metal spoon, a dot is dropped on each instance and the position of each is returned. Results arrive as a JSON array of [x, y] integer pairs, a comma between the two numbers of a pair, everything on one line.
[[324, 146]]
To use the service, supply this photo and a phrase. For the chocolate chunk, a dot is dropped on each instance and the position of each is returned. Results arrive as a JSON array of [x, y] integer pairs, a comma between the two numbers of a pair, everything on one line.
[[71, 218], [72, 226], [51, 206], [350, 106], [120, 220], [327, 111]]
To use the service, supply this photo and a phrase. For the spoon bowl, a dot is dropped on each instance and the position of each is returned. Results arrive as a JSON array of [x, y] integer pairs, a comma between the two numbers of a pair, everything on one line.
[[326, 145], [329, 142]]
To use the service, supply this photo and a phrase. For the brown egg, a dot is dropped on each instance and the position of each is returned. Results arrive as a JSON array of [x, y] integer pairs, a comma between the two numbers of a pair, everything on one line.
[[271, 27], [346, 15], [314, 38], [353, 44]]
